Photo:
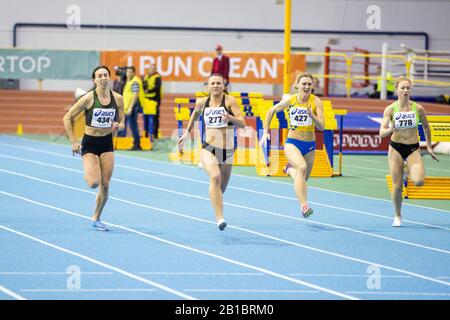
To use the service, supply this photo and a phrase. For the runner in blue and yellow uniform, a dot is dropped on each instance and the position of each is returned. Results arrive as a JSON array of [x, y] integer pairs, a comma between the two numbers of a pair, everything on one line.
[[104, 115], [221, 115], [401, 120], [305, 114]]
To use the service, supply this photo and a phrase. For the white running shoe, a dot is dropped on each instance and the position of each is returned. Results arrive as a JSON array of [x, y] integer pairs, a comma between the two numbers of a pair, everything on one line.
[[221, 224], [397, 222], [99, 226]]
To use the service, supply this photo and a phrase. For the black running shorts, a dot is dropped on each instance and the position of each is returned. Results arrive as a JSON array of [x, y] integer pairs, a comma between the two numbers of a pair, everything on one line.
[[97, 145]]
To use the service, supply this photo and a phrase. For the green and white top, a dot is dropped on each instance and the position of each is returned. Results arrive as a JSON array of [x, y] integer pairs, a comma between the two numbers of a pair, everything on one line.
[[405, 119], [100, 116]]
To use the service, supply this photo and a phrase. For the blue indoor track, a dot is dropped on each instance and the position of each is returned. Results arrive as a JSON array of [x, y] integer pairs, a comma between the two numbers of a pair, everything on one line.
[[164, 243]]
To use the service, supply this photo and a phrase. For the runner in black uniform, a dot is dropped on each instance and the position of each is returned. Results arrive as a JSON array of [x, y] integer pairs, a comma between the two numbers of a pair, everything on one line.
[[220, 115], [401, 121], [104, 116]]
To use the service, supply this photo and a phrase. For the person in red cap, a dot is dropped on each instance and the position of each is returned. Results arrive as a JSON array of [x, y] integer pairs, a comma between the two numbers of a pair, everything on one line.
[[221, 64]]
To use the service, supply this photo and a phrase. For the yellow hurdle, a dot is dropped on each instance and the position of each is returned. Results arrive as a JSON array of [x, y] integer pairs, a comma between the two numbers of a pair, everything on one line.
[[255, 105], [188, 156], [242, 156], [245, 157], [126, 143], [79, 125], [276, 164], [321, 167], [433, 188]]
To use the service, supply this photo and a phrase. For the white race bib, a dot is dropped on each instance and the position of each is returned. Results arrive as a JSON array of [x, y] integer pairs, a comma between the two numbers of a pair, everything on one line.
[[405, 120], [299, 117], [103, 118], [213, 117]]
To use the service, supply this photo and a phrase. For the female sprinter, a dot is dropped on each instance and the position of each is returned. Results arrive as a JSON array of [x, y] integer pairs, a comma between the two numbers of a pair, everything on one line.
[[220, 114], [305, 112], [102, 107], [401, 120]]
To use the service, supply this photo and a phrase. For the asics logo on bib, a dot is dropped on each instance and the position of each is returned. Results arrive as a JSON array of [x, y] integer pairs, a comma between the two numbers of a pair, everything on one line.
[[299, 111], [104, 113], [214, 112], [404, 116]]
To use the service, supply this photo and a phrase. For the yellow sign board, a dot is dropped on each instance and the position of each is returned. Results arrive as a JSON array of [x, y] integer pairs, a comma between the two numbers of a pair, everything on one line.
[[440, 131]]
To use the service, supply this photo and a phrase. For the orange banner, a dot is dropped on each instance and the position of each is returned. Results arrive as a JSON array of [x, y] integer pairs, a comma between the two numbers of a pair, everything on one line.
[[195, 66]]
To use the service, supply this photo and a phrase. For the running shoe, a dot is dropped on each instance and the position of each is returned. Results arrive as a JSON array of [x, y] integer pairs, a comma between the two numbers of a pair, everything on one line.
[[307, 211], [221, 224], [397, 222], [99, 226]]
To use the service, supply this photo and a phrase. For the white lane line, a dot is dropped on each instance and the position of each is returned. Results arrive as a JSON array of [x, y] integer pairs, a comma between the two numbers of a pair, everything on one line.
[[250, 291], [184, 290], [348, 257], [264, 211], [359, 160], [242, 189], [88, 290], [225, 274], [437, 294], [369, 169], [362, 178], [366, 262], [36, 273], [97, 262], [11, 293], [240, 206], [196, 169], [246, 274], [340, 192], [331, 275], [437, 169], [387, 171], [245, 230], [242, 264], [236, 188]]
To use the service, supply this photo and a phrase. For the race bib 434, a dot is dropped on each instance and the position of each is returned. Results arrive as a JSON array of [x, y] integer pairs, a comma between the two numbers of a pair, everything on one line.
[[103, 118]]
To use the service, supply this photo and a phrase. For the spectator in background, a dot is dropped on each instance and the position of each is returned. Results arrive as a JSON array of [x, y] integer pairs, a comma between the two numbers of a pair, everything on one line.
[[221, 65], [390, 85], [152, 87], [317, 89], [133, 93]]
